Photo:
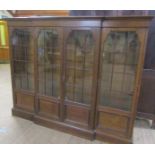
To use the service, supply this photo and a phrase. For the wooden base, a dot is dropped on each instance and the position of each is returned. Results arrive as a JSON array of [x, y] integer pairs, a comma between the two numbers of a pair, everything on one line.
[[64, 127], [22, 113], [85, 133], [112, 139]]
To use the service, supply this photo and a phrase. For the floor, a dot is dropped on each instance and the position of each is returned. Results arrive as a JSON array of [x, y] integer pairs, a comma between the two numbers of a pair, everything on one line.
[[18, 130]]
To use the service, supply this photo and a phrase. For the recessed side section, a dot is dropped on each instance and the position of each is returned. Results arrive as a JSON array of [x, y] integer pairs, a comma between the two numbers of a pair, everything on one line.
[[118, 81], [25, 101]]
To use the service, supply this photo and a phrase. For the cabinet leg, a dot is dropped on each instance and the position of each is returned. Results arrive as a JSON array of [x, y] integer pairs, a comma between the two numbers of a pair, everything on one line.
[[153, 124]]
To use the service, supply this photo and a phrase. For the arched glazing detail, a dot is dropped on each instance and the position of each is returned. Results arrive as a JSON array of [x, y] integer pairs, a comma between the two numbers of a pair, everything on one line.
[[49, 63], [119, 61], [80, 48], [21, 41]]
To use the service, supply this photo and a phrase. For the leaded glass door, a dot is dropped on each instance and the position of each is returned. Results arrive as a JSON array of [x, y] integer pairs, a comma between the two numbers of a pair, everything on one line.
[[22, 45], [49, 49], [118, 85], [81, 49]]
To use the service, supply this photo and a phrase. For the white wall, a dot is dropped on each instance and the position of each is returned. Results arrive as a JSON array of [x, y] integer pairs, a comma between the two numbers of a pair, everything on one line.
[[4, 13]]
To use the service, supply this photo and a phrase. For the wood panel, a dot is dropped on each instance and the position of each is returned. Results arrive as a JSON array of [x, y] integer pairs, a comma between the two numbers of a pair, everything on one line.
[[76, 114], [123, 23], [25, 101], [49, 109], [57, 23], [112, 122]]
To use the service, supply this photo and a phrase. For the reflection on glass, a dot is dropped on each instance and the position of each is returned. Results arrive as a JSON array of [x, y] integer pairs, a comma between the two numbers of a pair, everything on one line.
[[118, 69], [22, 59], [49, 63], [79, 65]]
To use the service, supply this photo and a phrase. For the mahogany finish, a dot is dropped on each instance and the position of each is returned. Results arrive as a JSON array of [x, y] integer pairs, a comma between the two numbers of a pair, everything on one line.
[[81, 75]]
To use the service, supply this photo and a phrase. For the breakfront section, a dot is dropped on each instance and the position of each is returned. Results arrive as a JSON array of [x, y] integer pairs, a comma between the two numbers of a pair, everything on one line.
[[80, 54], [120, 67], [66, 51], [22, 60]]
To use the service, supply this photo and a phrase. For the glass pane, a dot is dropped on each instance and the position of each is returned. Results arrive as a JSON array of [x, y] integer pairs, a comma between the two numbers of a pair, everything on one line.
[[118, 69], [79, 66], [49, 63], [22, 57], [17, 81], [22, 42]]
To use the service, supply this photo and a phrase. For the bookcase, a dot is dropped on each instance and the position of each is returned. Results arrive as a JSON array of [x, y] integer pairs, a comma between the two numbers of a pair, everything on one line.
[[80, 75]]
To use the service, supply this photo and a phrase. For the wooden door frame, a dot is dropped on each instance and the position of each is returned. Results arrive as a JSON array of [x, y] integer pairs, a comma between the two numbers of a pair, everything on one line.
[[96, 34], [45, 97], [141, 32]]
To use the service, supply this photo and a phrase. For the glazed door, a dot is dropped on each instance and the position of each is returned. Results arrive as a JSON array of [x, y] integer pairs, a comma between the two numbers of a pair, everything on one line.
[[121, 60], [49, 49], [80, 55], [22, 60]]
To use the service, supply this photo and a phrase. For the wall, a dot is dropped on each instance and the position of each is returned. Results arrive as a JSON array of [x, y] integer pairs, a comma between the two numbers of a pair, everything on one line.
[[4, 45], [4, 14]]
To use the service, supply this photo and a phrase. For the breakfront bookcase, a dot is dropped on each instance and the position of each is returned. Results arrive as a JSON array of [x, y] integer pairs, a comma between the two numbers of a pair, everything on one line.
[[80, 75]]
